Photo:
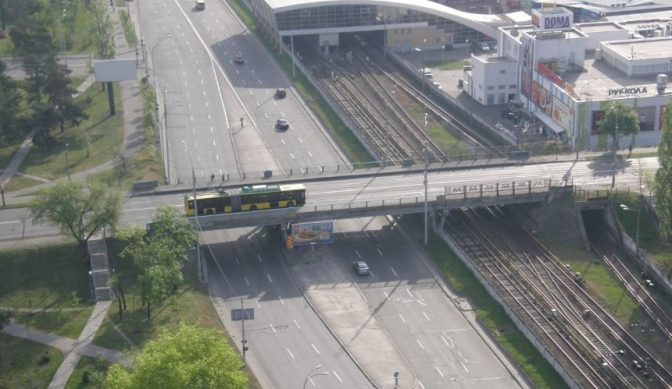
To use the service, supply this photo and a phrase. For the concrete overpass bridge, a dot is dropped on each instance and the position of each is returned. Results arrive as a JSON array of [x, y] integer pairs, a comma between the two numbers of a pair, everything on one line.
[[472, 195]]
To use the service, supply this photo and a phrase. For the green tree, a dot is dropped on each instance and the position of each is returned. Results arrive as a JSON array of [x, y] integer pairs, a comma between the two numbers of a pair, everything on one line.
[[191, 357], [9, 106], [620, 120], [160, 255], [102, 29], [4, 318], [76, 209], [663, 183]]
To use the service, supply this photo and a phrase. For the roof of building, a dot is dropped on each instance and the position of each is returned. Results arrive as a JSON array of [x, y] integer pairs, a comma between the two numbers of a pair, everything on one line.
[[591, 28], [599, 77], [660, 48]]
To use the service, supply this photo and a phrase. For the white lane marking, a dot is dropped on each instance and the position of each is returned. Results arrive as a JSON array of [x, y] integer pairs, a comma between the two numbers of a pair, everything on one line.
[[259, 256], [199, 71], [420, 344], [217, 157], [425, 314], [269, 278], [387, 296], [209, 117], [393, 271], [421, 385], [212, 129], [439, 370], [214, 144], [258, 305], [372, 274], [273, 328], [202, 82], [292, 155], [445, 341], [300, 140], [315, 348], [282, 141], [379, 252], [408, 290], [357, 254], [191, 117], [402, 318], [281, 300], [424, 304], [246, 281], [237, 261], [297, 324], [310, 154], [258, 103], [206, 105], [465, 368], [290, 353], [337, 376]]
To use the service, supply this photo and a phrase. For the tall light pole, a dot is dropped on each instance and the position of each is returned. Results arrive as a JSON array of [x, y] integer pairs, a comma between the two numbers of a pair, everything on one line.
[[425, 150], [613, 161], [291, 42], [313, 373], [198, 226], [63, 40], [67, 163]]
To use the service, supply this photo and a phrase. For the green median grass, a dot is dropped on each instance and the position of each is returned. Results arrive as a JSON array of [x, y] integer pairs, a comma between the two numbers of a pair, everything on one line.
[[25, 364], [493, 317], [129, 30], [48, 277]]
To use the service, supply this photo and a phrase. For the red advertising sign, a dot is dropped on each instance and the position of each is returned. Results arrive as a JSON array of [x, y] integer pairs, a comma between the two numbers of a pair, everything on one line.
[[546, 71]]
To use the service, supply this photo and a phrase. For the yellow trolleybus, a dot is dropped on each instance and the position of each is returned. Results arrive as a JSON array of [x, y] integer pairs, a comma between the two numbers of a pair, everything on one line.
[[247, 198]]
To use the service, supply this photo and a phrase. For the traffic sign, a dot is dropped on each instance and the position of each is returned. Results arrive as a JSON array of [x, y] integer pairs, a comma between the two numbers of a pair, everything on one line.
[[242, 314], [396, 374]]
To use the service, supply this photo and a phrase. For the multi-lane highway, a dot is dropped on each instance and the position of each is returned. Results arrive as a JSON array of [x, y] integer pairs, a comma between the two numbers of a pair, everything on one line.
[[219, 116]]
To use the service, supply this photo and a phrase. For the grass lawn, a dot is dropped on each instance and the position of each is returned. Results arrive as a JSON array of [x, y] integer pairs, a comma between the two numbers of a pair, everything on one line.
[[101, 132], [448, 64], [22, 366], [54, 277], [7, 151], [18, 182], [190, 305], [649, 239], [493, 317], [6, 46], [129, 30], [88, 374], [341, 134]]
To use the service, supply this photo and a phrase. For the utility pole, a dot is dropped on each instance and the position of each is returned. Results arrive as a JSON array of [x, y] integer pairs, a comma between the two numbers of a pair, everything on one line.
[[426, 152], [67, 164], [243, 340]]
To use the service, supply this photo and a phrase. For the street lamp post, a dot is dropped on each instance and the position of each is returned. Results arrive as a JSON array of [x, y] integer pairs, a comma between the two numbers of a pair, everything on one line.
[[67, 163], [425, 149], [613, 161], [198, 226], [313, 373]]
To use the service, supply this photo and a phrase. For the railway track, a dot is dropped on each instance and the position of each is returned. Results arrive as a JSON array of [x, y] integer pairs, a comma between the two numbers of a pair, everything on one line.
[[602, 244], [525, 301], [608, 350]]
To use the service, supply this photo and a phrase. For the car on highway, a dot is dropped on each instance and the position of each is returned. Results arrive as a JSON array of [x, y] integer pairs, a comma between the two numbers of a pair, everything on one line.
[[239, 59], [361, 268], [200, 4], [280, 93], [282, 124]]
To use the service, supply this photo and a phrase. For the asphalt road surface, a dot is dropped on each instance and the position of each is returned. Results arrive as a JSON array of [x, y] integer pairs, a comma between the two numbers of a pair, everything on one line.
[[220, 116]]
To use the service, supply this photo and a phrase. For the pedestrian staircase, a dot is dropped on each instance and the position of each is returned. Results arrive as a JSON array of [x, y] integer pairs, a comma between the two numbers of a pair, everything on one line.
[[100, 270]]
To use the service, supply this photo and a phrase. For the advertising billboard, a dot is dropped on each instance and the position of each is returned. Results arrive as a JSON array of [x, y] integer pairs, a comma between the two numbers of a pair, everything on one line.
[[552, 19], [562, 114], [312, 233], [542, 98]]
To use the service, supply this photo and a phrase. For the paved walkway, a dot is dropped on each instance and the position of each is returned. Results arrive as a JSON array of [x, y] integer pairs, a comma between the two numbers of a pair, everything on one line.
[[81, 346]]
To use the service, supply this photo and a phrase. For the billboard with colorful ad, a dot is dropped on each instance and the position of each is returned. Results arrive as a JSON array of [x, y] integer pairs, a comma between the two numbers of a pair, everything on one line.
[[312, 233], [542, 98], [562, 114]]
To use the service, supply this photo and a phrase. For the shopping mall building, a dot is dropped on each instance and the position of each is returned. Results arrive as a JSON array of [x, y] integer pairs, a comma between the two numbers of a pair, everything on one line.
[[565, 75]]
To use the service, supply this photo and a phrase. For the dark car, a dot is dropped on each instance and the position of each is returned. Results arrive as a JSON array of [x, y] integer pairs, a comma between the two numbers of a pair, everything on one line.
[[280, 93], [361, 268], [282, 124], [239, 59]]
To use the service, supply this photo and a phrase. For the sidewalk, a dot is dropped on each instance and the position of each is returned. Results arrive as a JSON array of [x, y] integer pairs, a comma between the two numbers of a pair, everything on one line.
[[67, 345]]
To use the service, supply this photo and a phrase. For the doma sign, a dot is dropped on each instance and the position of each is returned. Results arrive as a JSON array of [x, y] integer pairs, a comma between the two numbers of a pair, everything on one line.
[[552, 19]]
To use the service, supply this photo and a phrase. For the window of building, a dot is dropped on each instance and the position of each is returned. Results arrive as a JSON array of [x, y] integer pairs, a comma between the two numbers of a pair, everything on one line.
[[491, 87], [502, 71], [512, 86], [501, 87]]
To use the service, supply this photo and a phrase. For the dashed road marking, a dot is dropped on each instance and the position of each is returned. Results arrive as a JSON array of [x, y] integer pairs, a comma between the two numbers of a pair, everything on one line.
[[315, 348], [402, 318], [426, 316], [439, 371], [290, 353], [393, 271], [420, 344]]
